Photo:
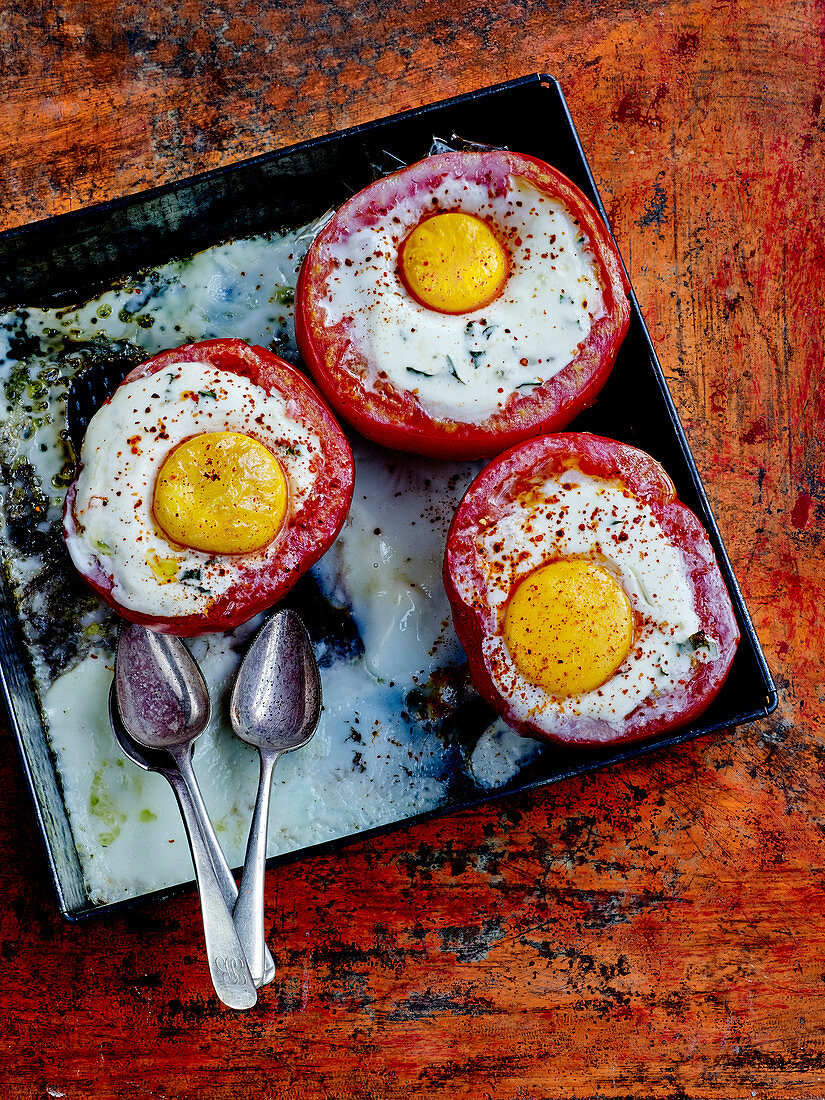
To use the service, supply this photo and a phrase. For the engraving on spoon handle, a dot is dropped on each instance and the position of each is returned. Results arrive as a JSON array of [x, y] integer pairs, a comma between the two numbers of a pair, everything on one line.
[[249, 908], [227, 963], [226, 879]]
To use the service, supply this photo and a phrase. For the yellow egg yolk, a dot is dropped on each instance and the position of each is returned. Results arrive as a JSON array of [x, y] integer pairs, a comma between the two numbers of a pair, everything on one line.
[[222, 493], [453, 263], [568, 626]]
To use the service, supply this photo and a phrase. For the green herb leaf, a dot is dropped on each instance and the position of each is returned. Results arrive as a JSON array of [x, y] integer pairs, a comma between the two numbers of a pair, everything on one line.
[[453, 371]]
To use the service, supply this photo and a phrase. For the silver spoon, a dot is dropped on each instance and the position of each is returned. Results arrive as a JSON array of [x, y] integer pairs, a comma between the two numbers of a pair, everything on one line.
[[162, 702], [156, 760], [275, 706]]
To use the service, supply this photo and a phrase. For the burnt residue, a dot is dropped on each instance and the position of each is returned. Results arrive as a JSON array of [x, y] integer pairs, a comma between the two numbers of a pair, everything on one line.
[[471, 943], [656, 212], [420, 1005], [448, 706], [56, 601], [447, 690], [57, 607], [26, 507], [23, 344], [335, 636]]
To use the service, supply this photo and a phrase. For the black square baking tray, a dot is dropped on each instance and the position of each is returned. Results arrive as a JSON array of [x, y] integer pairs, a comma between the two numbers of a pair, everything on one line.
[[71, 257]]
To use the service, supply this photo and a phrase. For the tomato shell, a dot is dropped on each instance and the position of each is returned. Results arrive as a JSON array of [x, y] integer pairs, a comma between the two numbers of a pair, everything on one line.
[[395, 417], [307, 534], [529, 464]]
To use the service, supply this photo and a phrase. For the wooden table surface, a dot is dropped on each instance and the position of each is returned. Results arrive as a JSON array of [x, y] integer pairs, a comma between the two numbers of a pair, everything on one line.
[[652, 930]]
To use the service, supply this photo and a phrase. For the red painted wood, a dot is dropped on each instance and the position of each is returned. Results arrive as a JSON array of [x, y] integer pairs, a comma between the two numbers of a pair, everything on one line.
[[655, 930]]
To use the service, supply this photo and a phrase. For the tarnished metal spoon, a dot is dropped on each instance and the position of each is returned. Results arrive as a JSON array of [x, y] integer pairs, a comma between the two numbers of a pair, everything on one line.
[[163, 704], [275, 706], [157, 760]]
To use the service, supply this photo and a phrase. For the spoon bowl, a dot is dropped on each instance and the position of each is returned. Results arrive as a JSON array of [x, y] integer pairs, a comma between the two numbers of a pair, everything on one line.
[[276, 704], [161, 694], [151, 760], [276, 700], [158, 705]]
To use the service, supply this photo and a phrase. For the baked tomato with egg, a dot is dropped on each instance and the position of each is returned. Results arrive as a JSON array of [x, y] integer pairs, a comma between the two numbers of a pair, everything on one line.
[[463, 304], [208, 483], [588, 598]]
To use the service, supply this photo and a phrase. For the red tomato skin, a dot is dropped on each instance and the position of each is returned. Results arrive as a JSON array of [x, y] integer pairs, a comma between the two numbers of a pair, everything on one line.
[[395, 418], [531, 463], [306, 536]]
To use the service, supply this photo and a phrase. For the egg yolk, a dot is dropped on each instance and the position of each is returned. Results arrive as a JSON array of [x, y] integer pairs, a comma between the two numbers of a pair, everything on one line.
[[453, 263], [221, 492], [568, 626]]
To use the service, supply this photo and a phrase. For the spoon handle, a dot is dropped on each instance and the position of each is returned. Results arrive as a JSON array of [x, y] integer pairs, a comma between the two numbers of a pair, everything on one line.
[[227, 965], [226, 880], [249, 908]]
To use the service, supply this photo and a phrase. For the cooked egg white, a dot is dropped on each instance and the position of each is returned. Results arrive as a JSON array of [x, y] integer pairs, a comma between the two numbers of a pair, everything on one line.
[[574, 516], [466, 365]]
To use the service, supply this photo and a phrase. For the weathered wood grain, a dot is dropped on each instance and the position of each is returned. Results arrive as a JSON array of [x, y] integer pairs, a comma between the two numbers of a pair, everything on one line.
[[655, 930]]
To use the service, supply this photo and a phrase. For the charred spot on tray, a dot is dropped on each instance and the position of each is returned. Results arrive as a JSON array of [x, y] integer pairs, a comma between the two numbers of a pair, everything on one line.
[[59, 606], [26, 506], [446, 691], [23, 344], [332, 629]]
